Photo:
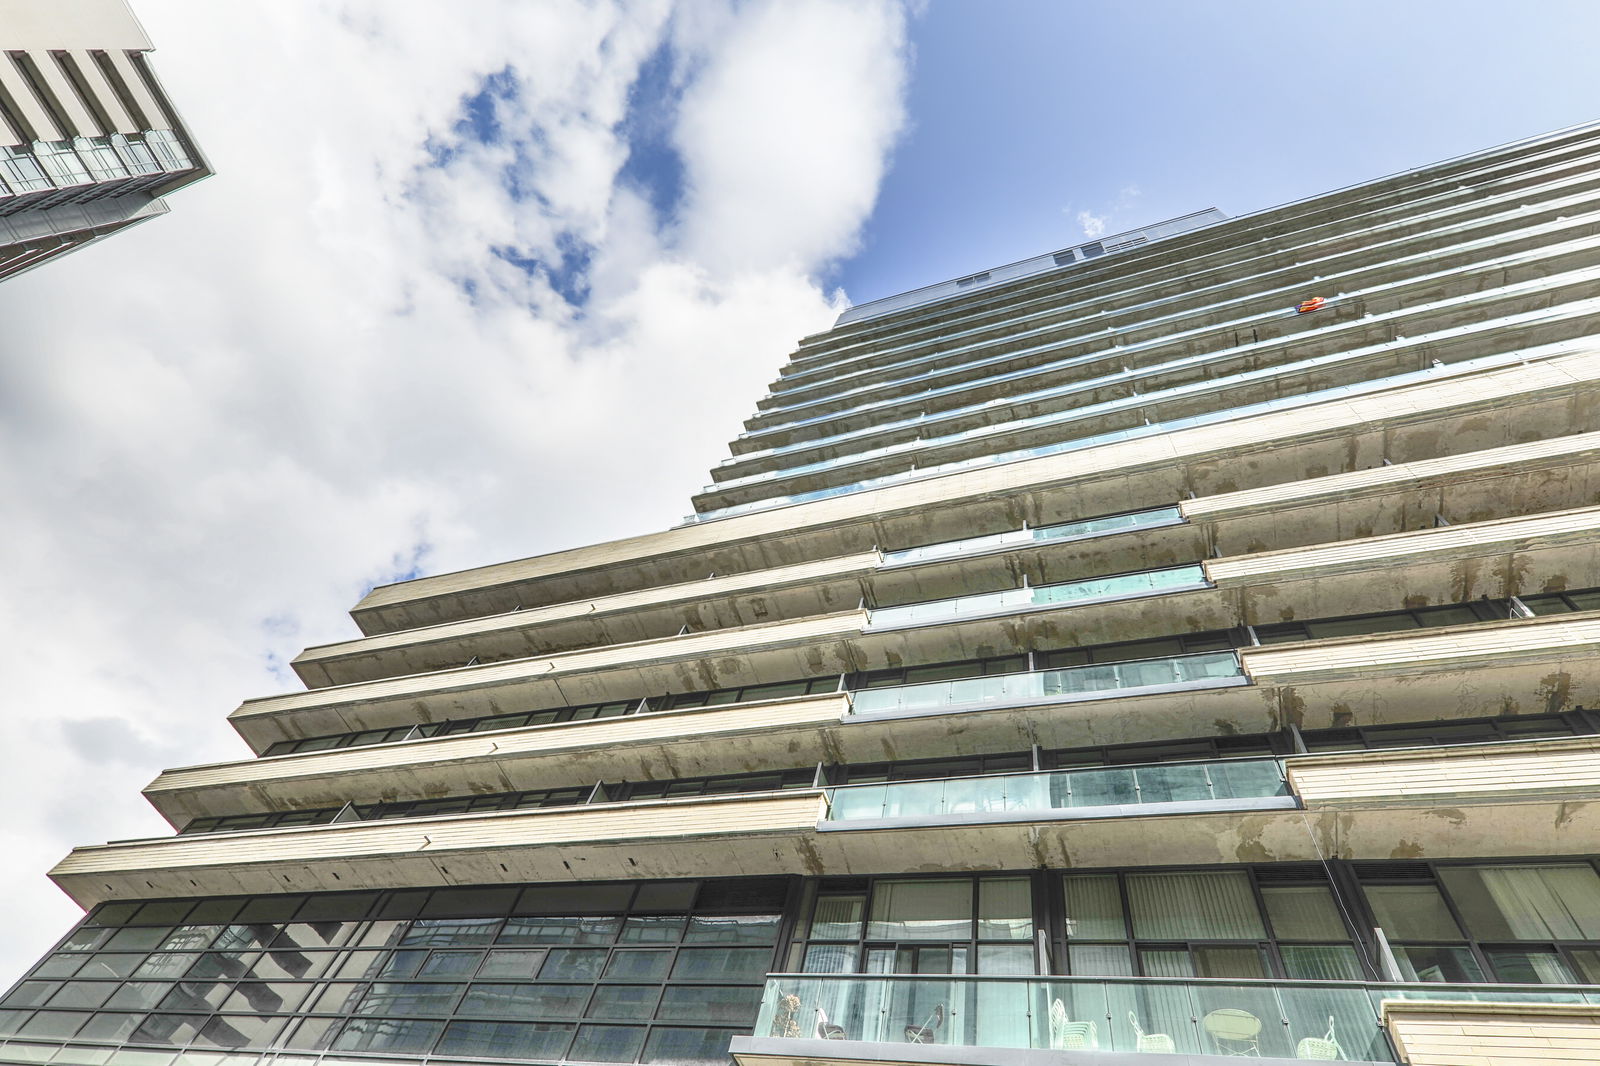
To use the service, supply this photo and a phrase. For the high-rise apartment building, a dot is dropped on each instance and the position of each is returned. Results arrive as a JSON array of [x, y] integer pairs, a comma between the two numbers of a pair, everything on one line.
[[1179, 644], [89, 142]]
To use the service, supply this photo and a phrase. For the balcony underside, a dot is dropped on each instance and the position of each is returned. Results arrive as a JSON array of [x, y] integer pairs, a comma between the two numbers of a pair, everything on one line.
[[1498, 668], [1493, 410], [1445, 565], [1504, 800]]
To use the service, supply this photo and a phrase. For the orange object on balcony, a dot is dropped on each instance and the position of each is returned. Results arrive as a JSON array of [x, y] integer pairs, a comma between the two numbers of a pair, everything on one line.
[[1314, 304]]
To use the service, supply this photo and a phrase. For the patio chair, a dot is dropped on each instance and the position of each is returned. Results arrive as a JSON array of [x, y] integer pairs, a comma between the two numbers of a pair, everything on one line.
[[1233, 1031], [826, 1030], [924, 1033], [1325, 1047], [1068, 1035], [1143, 1041]]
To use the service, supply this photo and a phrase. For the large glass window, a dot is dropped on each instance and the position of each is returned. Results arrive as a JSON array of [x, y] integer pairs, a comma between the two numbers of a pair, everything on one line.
[[1532, 923], [1258, 923], [592, 972], [922, 925]]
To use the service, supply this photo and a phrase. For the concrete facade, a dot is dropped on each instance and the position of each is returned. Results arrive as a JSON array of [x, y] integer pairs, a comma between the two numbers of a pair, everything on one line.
[[1102, 656]]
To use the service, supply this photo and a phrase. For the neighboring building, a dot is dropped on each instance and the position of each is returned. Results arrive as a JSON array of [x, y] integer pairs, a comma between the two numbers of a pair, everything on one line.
[[89, 143], [1094, 655]]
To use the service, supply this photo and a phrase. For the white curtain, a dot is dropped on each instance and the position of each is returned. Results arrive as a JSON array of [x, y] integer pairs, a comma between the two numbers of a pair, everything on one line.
[[1194, 906], [1005, 909], [921, 910], [1544, 902]]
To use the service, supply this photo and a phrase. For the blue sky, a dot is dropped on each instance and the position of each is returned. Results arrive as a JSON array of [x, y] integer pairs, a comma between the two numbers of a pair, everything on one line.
[[1023, 113]]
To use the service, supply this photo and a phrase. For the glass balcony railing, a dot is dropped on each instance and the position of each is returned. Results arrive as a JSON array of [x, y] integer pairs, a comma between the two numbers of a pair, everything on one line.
[[915, 368], [1118, 586], [1044, 686], [1093, 527], [1092, 792], [1335, 1022], [1282, 403]]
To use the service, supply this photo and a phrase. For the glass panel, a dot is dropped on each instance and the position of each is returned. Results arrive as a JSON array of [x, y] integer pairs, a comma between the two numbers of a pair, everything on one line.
[[838, 917], [513, 962], [31, 993], [1412, 912], [638, 965], [139, 995], [1303, 912], [607, 1043], [1530, 967], [690, 1045], [997, 959], [573, 964], [1321, 962], [1094, 907], [1437, 964], [623, 1002], [1240, 963], [451, 964], [559, 931], [53, 1023], [1001, 690], [524, 1001], [733, 929], [110, 1027], [702, 1003], [652, 930], [1110, 960], [447, 932], [1546, 902], [830, 958], [404, 1000], [387, 1034], [722, 964], [506, 1040], [239, 1030], [1192, 906], [1005, 908], [104, 965], [921, 910], [1588, 962]]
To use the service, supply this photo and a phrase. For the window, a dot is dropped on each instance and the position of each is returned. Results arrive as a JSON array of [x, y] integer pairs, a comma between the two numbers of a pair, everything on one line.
[[922, 925], [682, 964]]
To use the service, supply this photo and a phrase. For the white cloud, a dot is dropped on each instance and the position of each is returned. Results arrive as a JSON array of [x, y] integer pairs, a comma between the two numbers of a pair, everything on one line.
[[1093, 225], [215, 429]]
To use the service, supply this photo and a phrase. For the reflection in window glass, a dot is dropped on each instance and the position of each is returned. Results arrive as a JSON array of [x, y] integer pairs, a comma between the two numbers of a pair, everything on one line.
[[524, 1001], [1412, 912], [689, 1045], [741, 929], [607, 1043], [721, 964], [1321, 962], [624, 1002], [1529, 967], [512, 962], [1303, 912], [387, 1034], [1421, 963], [708, 1004], [505, 1040]]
